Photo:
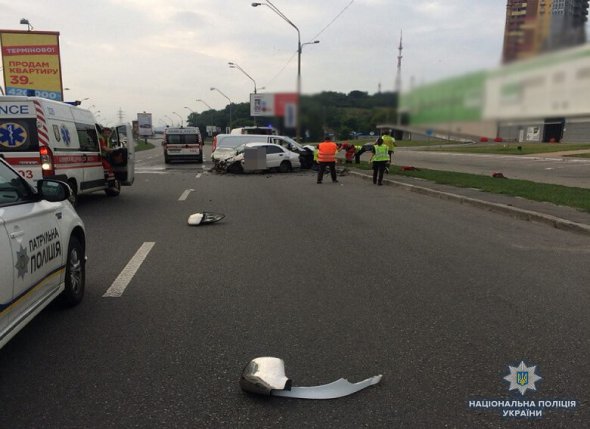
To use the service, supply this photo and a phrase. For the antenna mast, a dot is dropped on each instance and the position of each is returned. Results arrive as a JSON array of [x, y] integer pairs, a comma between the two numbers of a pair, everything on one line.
[[398, 77]]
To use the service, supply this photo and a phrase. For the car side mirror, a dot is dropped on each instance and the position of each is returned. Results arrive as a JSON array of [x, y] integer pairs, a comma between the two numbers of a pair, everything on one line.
[[263, 375], [53, 190]]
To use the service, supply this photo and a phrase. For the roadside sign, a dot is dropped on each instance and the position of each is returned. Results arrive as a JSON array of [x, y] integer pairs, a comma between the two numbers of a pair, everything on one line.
[[144, 122]]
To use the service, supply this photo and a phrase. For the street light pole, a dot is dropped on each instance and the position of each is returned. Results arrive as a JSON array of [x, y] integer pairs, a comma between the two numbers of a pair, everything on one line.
[[230, 103], [298, 110], [235, 66], [181, 120], [202, 101]]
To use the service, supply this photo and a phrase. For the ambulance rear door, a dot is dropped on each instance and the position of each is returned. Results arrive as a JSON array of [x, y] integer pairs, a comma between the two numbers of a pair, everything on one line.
[[19, 140], [122, 156]]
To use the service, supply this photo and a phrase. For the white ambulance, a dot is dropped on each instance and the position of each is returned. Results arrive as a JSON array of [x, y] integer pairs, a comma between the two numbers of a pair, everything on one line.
[[41, 138], [184, 143]]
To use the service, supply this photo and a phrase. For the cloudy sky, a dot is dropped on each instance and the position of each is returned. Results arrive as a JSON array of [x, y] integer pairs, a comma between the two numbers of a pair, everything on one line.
[[160, 56]]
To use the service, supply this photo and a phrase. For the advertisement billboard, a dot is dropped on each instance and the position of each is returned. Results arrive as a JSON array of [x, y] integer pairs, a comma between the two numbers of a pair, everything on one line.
[[31, 63], [144, 124], [272, 104]]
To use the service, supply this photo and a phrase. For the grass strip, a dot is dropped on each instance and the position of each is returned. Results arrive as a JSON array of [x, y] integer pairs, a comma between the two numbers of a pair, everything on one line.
[[143, 146], [578, 198], [512, 148]]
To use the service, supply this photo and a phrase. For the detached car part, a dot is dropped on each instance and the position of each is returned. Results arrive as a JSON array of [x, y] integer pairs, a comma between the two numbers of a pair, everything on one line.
[[266, 376], [203, 218]]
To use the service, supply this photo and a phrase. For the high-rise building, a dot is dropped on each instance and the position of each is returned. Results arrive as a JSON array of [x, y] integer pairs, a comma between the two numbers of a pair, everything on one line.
[[536, 26]]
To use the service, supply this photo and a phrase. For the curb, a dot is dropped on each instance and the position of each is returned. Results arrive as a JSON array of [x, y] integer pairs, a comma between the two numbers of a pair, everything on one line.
[[515, 212]]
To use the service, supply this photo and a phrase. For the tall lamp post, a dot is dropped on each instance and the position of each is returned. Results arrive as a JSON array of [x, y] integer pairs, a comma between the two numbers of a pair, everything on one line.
[[269, 4], [235, 66], [170, 119], [230, 103], [202, 101], [25, 21], [181, 120]]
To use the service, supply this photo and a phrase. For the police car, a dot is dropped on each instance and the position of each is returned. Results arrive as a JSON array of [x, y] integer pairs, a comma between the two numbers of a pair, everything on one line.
[[42, 249]]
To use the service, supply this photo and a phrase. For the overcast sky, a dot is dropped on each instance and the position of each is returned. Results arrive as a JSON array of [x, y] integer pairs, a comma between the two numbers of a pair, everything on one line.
[[160, 56]]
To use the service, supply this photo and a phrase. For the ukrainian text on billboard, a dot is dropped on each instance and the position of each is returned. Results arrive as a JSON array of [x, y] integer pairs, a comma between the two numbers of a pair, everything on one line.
[[31, 63]]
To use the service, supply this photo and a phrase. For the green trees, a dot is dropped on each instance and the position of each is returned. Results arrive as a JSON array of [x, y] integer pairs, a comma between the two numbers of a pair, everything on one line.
[[326, 112]]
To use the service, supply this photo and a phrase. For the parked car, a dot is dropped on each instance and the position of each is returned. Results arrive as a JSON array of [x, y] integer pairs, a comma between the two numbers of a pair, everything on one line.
[[42, 249], [277, 157]]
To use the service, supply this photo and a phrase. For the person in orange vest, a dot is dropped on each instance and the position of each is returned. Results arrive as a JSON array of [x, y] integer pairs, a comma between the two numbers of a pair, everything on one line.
[[327, 157]]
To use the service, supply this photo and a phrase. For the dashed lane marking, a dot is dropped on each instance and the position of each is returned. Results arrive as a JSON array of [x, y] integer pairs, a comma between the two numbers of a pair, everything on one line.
[[125, 277]]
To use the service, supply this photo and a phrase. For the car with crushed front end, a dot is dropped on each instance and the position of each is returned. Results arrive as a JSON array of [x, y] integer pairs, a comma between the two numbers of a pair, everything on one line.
[[276, 157]]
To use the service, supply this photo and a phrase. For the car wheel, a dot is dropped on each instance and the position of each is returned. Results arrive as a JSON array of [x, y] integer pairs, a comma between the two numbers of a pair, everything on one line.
[[115, 190], [75, 274], [285, 167], [74, 196], [166, 160], [235, 168]]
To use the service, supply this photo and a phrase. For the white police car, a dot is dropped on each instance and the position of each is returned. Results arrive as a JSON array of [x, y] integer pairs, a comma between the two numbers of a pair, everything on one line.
[[42, 249]]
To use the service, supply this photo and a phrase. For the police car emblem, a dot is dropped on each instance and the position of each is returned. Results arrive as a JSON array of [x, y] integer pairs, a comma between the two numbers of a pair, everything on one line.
[[12, 135], [522, 378], [22, 262]]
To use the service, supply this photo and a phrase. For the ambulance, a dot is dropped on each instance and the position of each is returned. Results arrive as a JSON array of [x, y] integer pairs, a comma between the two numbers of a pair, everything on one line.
[[184, 143], [45, 139]]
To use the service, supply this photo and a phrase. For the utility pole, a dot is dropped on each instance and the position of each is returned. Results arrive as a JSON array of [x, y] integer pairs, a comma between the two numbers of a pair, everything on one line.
[[398, 77]]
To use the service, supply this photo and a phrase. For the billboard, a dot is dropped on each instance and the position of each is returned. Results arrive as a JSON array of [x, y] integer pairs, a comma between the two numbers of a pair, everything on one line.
[[31, 63], [272, 104], [144, 124]]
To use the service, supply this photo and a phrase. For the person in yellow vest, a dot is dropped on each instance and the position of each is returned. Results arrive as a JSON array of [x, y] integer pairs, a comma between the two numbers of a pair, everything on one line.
[[315, 159], [327, 158], [389, 141], [379, 159]]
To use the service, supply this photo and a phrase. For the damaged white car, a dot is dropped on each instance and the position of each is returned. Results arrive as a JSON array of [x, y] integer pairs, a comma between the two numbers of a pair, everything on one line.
[[259, 157]]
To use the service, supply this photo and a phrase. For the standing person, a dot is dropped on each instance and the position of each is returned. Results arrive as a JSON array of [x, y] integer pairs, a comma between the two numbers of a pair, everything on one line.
[[379, 159], [389, 142], [350, 152], [327, 157]]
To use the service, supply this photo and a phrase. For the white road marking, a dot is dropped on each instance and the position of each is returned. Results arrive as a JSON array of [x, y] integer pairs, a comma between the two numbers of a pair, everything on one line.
[[125, 277], [184, 195], [198, 176]]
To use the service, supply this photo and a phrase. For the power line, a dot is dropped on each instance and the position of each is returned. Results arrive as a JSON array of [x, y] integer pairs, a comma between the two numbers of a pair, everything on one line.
[[313, 38]]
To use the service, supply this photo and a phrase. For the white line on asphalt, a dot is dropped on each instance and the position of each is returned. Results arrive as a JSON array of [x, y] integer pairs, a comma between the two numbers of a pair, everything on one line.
[[125, 277], [198, 176], [184, 195]]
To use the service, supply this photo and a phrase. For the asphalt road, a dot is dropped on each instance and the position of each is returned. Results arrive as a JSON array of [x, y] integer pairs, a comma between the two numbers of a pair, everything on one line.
[[339, 280], [565, 171]]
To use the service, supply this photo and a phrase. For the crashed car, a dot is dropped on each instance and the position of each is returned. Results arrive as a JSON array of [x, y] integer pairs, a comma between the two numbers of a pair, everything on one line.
[[277, 158]]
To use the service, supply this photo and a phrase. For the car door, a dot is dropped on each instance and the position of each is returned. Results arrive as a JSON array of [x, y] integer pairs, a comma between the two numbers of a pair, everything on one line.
[[122, 142], [36, 246], [275, 154], [6, 282]]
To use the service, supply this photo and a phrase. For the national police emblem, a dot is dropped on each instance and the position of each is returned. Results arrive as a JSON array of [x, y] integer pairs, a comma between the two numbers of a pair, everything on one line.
[[522, 378]]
